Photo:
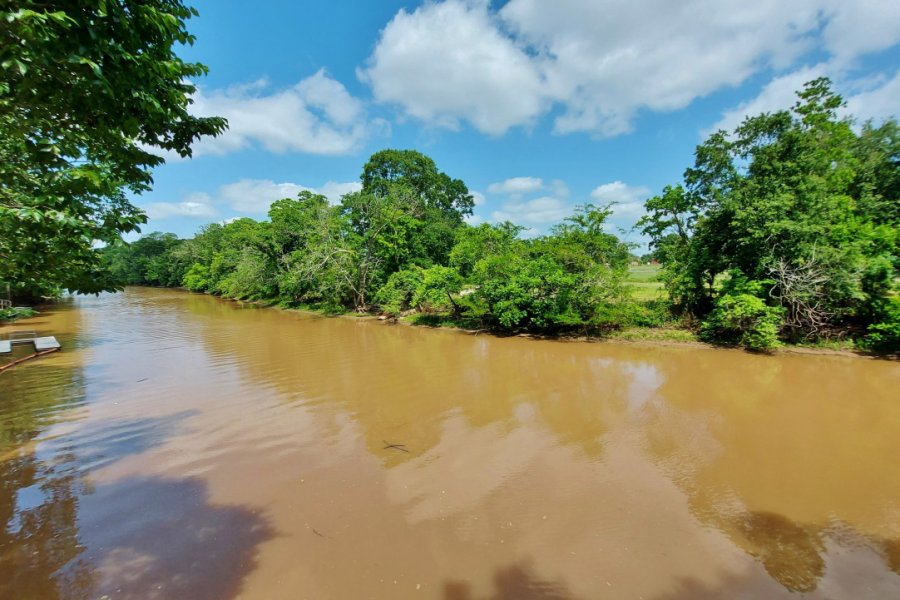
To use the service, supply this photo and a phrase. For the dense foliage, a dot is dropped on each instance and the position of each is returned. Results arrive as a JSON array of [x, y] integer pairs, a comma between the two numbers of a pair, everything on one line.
[[787, 228], [399, 244], [87, 89]]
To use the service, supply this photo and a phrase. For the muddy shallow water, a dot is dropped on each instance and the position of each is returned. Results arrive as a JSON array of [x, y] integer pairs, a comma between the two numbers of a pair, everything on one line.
[[184, 447]]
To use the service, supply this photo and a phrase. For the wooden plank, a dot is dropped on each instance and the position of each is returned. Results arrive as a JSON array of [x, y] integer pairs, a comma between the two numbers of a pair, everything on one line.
[[5, 347], [25, 358], [45, 343]]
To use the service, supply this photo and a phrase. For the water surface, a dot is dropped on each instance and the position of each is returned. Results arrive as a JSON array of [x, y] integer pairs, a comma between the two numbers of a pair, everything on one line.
[[184, 447]]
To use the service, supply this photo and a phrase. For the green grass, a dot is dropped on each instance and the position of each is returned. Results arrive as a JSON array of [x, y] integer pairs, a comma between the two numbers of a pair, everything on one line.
[[16, 312], [838, 345], [645, 290], [442, 320], [654, 334], [643, 282], [644, 273]]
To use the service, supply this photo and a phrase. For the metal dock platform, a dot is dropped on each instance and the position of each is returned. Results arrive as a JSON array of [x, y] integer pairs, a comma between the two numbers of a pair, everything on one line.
[[41, 344]]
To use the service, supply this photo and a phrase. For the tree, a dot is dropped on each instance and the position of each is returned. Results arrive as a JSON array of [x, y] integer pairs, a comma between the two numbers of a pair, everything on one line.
[[441, 202], [382, 229], [798, 206], [88, 90], [305, 231], [293, 221], [438, 286], [669, 222], [148, 261], [242, 265], [475, 243], [418, 172], [399, 292]]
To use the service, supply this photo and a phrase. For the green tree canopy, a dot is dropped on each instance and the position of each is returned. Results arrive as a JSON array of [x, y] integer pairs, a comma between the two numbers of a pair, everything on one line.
[[800, 204], [440, 202], [88, 90], [418, 172]]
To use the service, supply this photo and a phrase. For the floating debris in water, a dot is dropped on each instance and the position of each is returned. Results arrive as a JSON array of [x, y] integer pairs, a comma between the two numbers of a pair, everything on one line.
[[401, 447]]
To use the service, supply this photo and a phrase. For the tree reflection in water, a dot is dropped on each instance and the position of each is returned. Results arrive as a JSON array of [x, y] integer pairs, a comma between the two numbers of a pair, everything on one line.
[[516, 582], [791, 554], [40, 554], [64, 537]]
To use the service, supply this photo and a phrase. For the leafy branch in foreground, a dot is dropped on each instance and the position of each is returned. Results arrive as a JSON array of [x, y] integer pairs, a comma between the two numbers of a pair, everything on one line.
[[88, 90]]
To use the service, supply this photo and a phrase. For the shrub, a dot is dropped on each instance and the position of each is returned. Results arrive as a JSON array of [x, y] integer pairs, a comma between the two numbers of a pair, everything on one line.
[[884, 334], [197, 278], [396, 295], [533, 292], [435, 292], [741, 316], [621, 314], [16, 312]]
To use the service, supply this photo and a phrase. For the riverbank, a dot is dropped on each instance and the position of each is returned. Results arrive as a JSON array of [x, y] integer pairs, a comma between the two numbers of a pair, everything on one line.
[[636, 336], [9, 315], [642, 336]]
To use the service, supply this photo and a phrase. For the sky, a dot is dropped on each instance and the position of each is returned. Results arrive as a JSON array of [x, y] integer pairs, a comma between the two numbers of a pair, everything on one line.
[[537, 106]]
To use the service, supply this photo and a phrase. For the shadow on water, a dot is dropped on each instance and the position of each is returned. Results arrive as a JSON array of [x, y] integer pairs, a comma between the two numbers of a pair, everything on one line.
[[63, 536], [891, 551], [730, 587], [134, 538], [795, 555], [29, 405], [38, 509], [516, 582], [104, 443], [790, 553], [168, 541]]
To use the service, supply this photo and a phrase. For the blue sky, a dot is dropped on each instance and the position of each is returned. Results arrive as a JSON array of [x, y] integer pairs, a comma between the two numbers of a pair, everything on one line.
[[538, 106]]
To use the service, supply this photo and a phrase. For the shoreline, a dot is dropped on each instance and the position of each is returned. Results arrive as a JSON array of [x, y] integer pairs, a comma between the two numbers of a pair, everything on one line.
[[615, 338], [618, 337]]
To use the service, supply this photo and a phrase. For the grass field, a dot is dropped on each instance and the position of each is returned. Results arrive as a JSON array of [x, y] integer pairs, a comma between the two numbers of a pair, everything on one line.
[[643, 281]]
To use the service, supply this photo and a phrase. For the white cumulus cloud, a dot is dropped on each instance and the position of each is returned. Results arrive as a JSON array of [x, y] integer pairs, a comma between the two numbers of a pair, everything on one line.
[[877, 102], [860, 27], [248, 196], [516, 185], [866, 99], [536, 213], [449, 61], [601, 63], [316, 116], [549, 207], [198, 204], [627, 201]]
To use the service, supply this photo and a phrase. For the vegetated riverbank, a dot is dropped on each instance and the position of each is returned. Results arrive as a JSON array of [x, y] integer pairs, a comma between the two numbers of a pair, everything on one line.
[[634, 336], [816, 262], [785, 233], [14, 313]]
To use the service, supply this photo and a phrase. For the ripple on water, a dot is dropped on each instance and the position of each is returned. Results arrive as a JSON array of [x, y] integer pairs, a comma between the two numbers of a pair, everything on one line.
[[150, 449]]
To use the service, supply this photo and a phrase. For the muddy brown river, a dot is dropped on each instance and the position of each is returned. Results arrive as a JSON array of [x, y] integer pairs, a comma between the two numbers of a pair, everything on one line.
[[184, 447]]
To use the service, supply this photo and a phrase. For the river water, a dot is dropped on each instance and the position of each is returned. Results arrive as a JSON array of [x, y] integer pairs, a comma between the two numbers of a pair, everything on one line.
[[185, 447]]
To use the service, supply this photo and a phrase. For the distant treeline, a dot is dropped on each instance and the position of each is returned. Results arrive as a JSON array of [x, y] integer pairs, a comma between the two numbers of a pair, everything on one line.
[[400, 244], [784, 230]]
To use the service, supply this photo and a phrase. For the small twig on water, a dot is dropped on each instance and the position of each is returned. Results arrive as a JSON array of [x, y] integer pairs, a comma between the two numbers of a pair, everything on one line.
[[401, 447], [317, 533]]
